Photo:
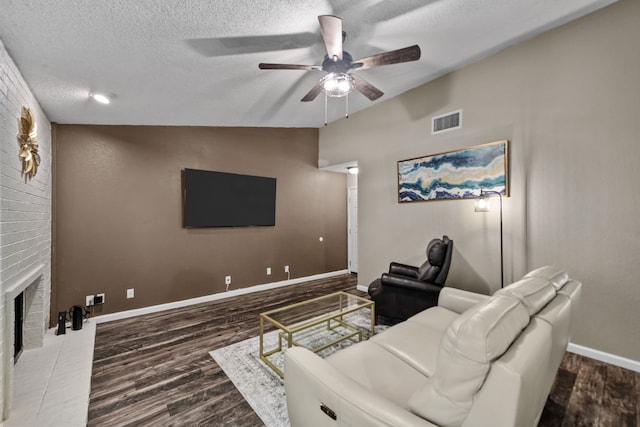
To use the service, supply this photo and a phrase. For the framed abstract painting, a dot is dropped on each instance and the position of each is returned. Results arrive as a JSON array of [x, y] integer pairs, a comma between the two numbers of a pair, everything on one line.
[[459, 174]]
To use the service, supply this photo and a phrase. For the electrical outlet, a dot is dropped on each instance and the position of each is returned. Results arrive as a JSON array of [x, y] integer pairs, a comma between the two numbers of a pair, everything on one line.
[[268, 271], [99, 299], [130, 293], [88, 301], [227, 280], [286, 268]]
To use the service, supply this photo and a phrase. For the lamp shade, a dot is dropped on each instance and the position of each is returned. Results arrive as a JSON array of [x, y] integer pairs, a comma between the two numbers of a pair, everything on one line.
[[482, 204]]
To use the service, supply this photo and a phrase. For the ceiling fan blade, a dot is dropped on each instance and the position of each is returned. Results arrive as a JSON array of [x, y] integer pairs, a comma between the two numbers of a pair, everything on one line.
[[313, 93], [406, 54], [331, 27], [265, 66], [365, 88]]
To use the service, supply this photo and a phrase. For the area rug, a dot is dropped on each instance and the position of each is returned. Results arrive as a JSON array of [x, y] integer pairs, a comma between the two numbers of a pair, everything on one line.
[[261, 387]]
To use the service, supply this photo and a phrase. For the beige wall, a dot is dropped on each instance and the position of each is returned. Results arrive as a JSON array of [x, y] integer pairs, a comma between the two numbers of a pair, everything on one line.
[[118, 213], [569, 102]]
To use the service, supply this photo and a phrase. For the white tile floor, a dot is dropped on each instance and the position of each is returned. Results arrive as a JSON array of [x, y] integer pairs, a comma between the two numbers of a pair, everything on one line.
[[51, 384]]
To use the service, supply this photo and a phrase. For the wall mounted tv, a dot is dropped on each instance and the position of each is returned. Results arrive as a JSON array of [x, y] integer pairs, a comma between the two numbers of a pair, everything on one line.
[[218, 199]]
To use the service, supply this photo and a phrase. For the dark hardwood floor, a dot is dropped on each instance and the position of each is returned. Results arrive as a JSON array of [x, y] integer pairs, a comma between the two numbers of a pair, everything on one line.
[[155, 370], [587, 392]]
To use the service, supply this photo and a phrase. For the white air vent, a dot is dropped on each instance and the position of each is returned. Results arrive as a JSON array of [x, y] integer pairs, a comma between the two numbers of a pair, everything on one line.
[[446, 122]]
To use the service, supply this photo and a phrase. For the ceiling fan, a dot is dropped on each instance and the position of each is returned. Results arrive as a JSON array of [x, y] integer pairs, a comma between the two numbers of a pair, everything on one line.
[[339, 64]]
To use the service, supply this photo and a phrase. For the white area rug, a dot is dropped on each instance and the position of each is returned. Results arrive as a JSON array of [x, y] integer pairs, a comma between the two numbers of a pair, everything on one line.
[[261, 387]]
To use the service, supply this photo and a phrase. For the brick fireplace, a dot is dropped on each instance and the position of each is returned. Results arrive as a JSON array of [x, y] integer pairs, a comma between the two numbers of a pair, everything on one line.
[[25, 226], [35, 311]]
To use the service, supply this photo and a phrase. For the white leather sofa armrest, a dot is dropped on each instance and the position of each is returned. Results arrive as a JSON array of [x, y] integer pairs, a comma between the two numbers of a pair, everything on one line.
[[312, 383], [459, 300]]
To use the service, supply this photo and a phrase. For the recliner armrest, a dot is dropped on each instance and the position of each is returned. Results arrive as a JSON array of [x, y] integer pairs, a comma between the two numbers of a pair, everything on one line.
[[310, 382], [403, 270], [459, 300], [408, 283]]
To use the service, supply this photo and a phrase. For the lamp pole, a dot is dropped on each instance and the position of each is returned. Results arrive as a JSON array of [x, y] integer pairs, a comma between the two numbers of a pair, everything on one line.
[[482, 195]]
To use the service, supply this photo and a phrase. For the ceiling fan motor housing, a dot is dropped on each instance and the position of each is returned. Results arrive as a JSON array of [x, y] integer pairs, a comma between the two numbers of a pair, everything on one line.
[[340, 66]]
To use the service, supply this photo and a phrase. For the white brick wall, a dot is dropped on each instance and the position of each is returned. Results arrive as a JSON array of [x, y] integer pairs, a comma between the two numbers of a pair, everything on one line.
[[25, 219]]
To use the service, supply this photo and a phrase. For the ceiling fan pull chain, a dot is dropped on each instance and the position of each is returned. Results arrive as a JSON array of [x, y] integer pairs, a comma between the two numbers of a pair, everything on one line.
[[325, 108], [346, 114]]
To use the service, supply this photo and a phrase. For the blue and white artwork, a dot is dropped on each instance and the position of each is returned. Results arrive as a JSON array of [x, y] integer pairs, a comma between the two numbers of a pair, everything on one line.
[[454, 175]]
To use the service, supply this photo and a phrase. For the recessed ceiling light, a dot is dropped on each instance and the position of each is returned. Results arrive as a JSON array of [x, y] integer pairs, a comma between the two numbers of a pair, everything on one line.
[[103, 98]]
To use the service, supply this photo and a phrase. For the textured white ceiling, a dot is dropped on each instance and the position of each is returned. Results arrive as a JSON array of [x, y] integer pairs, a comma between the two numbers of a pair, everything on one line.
[[195, 62]]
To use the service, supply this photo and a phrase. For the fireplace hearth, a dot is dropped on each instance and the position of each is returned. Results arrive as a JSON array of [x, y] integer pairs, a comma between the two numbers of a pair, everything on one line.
[[24, 326]]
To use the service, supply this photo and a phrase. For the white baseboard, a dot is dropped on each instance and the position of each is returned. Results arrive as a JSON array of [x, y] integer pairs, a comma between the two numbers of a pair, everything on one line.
[[362, 288], [609, 358], [213, 297]]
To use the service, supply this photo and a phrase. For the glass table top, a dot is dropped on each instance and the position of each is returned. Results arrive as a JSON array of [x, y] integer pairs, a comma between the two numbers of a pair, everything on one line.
[[297, 315]]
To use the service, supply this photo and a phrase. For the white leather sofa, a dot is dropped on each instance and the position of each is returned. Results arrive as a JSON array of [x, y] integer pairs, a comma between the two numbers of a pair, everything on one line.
[[473, 360]]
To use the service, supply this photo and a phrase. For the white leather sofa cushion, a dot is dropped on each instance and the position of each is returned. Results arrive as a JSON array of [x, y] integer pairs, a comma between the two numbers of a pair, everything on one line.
[[534, 292], [414, 343], [558, 314], [458, 300], [513, 390], [477, 337], [435, 317], [379, 371], [555, 313], [416, 340], [572, 290], [556, 276]]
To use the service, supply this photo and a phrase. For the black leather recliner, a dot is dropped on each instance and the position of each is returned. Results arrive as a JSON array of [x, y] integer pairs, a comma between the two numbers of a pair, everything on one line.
[[406, 290]]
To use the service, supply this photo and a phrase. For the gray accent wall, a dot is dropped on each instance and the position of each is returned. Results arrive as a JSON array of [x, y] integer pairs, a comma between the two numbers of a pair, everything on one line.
[[569, 103]]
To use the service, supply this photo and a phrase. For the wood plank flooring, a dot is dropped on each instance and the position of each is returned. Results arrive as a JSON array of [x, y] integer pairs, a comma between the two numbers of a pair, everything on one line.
[[587, 392], [155, 370]]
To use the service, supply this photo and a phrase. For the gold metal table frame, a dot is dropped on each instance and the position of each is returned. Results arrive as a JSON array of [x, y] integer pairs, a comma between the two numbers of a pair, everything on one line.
[[329, 309]]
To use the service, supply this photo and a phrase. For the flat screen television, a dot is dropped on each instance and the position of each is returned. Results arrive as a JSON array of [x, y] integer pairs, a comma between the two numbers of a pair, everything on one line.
[[219, 199]]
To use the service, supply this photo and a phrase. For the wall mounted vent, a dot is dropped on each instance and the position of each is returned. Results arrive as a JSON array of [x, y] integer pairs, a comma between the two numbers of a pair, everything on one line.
[[446, 122]]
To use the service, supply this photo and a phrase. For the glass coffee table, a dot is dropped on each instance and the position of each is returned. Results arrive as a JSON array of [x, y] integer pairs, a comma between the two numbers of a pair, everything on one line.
[[333, 310]]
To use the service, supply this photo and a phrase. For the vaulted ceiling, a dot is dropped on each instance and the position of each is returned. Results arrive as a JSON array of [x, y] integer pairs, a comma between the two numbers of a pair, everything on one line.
[[195, 62]]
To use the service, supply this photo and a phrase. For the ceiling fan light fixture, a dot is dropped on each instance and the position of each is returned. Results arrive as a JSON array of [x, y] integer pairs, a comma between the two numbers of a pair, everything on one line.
[[337, 85]]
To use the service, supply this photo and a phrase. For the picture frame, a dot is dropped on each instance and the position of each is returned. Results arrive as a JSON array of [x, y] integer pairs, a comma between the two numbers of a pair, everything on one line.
[[457, 174]]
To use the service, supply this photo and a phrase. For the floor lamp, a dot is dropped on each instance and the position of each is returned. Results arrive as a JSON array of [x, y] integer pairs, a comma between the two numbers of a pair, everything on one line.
[[482, 205]]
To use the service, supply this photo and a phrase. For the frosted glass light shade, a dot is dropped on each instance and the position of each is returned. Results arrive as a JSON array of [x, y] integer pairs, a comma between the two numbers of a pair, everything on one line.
[[482, 204], [337, 84]]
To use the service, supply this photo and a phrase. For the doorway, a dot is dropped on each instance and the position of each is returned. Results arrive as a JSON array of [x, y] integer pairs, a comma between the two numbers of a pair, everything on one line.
[[352, 228]]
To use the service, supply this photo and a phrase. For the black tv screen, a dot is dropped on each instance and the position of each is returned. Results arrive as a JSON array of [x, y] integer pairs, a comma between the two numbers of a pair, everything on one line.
[[218, 199]]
